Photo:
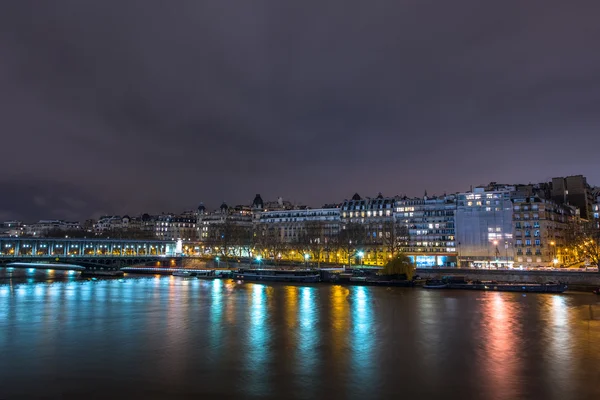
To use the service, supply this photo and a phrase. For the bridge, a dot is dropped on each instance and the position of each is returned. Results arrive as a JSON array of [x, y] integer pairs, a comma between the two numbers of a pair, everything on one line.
[[95, 256]]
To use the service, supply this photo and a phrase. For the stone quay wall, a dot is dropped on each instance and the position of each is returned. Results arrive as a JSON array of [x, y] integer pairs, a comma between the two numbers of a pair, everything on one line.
[[575, 280]]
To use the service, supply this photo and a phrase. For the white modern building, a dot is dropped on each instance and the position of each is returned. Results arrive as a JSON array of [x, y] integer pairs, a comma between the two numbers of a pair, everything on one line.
[[484, 227]]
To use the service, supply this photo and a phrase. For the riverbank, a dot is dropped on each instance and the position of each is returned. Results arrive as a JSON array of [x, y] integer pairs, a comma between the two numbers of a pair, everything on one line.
[[576, 281]]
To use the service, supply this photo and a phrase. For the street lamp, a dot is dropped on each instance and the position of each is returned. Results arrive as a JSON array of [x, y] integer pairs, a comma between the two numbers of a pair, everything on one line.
[[306, 257], [218, 260], [258, 258], [360, 256]]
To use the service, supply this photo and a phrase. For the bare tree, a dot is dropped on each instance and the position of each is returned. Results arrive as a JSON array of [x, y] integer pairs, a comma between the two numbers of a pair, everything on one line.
[[313, 239], [394, 235], [268, 239], [224, 238], [351, 238], [583, 241]]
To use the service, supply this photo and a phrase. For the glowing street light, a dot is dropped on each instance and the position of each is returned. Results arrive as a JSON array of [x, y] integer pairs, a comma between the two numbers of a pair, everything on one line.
[[360, 256], [258, 259], [306, 257]]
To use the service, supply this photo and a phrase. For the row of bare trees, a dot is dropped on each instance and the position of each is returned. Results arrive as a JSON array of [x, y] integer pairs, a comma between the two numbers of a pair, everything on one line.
[[320, 240], [583, 242]]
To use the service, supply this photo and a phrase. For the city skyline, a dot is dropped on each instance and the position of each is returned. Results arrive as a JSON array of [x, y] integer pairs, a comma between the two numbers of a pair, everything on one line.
[[247, 202], [224, 101]]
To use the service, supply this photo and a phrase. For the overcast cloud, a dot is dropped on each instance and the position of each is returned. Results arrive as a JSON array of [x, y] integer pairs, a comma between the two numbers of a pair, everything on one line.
[[149, 106]]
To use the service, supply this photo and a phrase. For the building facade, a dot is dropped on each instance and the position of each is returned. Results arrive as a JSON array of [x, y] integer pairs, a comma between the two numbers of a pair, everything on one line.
[[575, 191], [176, 227], [44, 227], [541, 229], [12, 229], [227, 231], [290, 226], [484, 227], [430, 228], [370, 224]]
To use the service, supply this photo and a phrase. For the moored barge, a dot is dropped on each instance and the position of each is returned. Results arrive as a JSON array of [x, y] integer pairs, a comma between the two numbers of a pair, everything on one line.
[[278, 275]]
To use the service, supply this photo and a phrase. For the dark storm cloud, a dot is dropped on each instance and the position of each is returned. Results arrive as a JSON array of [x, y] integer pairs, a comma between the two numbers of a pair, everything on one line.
[[32, 199], [155, 106]]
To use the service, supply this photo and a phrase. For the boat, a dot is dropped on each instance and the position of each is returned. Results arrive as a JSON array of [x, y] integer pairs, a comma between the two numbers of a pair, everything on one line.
[[435, 284], [278, 275], [182, 273], [511, 287], [365, 281]]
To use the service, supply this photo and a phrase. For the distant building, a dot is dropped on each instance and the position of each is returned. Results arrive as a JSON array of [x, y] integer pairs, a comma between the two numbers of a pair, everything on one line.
[[484, 227], [176, 227], [540, 230], [211, 226], [12, 229], [288, 226], [376, 216], [575, 191], [43, 227], [107, 223], [431, 233]]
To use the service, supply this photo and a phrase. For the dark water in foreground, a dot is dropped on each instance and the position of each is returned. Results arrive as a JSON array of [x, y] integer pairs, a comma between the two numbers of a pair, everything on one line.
[[170, 338]]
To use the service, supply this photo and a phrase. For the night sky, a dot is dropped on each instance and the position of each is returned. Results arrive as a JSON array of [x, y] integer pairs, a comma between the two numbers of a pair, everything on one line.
[[148, 106]]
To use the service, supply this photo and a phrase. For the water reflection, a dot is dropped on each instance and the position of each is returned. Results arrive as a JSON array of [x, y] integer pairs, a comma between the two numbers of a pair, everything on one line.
[[557, 337], [216, 316], [258, 352], [363, 337], [339, 317], [308, 341], [222, 339], [502, 355]]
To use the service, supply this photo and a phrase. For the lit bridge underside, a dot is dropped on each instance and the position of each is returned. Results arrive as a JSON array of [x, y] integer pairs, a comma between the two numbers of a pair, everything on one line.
[[53, 266], [90, 255]]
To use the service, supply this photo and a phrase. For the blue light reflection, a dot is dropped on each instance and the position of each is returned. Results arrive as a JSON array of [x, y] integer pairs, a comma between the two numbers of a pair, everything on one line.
[[258, 353], [363, 336]]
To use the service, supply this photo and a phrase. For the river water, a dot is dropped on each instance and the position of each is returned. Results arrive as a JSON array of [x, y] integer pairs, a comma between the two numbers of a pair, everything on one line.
[[172, 338]]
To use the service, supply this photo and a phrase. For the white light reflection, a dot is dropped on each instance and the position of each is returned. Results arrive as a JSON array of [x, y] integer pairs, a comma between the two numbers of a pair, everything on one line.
[[362, 338], [258, 351], [560, 346], [308, 339], [216, 316], [38, 290]]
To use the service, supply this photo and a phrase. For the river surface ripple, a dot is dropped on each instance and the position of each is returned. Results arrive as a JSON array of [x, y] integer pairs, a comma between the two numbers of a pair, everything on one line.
[[171, 338]]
